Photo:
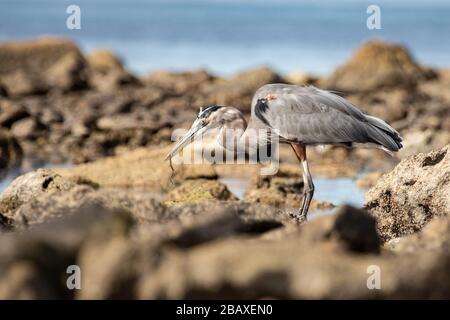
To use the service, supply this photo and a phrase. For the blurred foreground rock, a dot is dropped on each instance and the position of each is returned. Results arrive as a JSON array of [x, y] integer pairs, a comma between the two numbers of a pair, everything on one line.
[[211, 250]]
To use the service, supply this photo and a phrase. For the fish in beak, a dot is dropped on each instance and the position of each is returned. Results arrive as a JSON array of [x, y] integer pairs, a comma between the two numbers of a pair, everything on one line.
[[197, 129]]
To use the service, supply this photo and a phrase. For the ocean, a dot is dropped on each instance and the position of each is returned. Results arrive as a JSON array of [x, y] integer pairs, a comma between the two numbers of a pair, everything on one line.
[[225, 37]]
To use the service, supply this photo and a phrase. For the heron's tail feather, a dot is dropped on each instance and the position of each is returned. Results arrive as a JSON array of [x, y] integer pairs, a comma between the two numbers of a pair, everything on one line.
[[382, 133]]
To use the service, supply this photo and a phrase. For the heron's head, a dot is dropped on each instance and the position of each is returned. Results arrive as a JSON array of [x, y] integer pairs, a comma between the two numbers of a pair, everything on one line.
[[208, 118]]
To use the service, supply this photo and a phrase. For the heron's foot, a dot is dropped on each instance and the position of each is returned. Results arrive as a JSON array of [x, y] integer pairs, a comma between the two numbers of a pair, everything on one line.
[[299, 216]]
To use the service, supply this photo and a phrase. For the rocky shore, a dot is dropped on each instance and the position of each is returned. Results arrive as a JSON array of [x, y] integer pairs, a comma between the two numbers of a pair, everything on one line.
[[108, 202]]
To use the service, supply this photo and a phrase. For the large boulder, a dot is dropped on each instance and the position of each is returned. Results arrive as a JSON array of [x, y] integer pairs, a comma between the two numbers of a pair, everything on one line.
[[378, 64], [37, 66], [408, 197], [107, 72], [29, 186]]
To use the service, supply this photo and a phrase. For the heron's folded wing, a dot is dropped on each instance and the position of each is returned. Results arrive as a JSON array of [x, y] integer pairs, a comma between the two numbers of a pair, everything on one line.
[[314, 116]]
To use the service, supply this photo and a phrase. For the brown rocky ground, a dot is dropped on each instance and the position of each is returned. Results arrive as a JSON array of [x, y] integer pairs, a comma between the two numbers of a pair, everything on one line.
[[63, 107], [139, 230]]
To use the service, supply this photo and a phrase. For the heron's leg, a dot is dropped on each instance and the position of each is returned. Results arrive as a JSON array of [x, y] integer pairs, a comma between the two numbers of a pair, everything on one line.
[[308, 190]]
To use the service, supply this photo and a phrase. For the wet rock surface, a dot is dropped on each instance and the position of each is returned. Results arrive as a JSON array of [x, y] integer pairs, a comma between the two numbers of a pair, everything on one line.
[[137, 229]]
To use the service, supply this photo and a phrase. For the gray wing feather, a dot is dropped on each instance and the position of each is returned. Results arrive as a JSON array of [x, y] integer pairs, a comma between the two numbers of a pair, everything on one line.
[[313, 116]]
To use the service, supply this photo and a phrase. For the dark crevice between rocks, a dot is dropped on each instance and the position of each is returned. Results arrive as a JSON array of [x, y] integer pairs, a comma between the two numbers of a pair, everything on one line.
[[6, 224], [220, 229], [356, 229], [260, 227]]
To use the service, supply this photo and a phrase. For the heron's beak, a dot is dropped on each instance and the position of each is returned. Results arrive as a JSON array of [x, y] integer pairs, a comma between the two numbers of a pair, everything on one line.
[[197, 129]]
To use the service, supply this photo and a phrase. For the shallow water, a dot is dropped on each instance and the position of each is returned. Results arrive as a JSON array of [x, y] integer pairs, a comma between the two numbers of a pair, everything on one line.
[[337, 191]]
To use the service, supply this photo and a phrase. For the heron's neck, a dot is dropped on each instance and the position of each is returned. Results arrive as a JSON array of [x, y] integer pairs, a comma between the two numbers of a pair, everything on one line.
[[233, 135]]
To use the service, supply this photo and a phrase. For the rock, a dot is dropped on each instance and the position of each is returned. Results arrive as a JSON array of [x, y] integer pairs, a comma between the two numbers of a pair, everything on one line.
[[27, 128], [423, 141], [356, 229], [23, 281], [20, 83], [369, 180], [301, 78], [104, 61], [210, 250], [11, 112], [434, 236], [408, 197], [10, 150], [439, 87], [107, 71], [178, 82], [378, 64], [36, 66], [198, 190], [389, 104], [29, 186], [68, 73], [293, 268], [239, 90], [42, 195], [191, 226], [143, 168], [34, 264], [112, 80], [144, 207], [120, 122], [281, 191], [118, 281]]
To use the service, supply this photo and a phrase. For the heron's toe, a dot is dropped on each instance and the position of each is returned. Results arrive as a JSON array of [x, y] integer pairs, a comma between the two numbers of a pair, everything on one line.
[[301, 218]]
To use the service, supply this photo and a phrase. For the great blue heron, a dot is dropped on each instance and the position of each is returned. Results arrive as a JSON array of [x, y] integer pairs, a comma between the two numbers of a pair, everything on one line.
[[300, 116]]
